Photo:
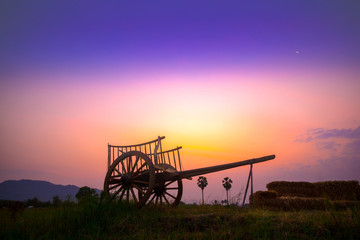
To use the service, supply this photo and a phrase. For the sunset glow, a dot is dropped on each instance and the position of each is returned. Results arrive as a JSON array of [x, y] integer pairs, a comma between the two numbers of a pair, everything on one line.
[[227, 82]]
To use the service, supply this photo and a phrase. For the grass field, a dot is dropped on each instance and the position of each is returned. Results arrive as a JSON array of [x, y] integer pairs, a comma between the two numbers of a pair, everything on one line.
[[106, 220]]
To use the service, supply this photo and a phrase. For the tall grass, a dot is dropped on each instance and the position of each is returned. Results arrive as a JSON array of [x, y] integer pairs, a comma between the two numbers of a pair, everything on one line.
[[114, 220]]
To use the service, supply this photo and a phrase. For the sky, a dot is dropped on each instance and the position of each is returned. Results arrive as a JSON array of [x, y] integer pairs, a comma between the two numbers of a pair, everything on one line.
[[228, 81]]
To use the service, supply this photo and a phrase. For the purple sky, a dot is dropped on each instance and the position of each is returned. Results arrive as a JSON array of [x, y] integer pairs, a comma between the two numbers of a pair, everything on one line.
[[227, 80], [177, 35]]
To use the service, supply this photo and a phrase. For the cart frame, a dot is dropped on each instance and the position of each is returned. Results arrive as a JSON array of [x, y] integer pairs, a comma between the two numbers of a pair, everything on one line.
[[156, 175]]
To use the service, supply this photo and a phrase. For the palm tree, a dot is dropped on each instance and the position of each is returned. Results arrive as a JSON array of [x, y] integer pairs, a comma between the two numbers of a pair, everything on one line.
[[202, 183], [227, 185]]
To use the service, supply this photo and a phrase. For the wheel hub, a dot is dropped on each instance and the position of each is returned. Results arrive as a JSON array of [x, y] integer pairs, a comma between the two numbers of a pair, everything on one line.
[[126, 180], [159, 189]]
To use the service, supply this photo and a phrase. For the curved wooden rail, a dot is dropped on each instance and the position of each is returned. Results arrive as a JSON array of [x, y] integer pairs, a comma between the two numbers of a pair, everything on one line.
[[138, 145]]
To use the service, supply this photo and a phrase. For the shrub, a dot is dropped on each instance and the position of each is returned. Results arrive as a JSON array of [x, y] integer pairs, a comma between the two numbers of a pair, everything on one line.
[[87, 195]]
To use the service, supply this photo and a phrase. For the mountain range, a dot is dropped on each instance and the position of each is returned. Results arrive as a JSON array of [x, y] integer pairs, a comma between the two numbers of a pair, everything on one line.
[[21, 190]]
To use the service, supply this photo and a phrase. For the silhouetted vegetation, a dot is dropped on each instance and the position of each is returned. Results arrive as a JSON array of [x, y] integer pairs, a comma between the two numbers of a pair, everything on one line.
[[56, 201], [95, 217], [202, 183], [116, 220], [87, 194], [227, 185]]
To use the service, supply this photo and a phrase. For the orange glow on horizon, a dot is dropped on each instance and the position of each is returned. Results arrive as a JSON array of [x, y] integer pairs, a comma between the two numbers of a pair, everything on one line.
[[64, 130]]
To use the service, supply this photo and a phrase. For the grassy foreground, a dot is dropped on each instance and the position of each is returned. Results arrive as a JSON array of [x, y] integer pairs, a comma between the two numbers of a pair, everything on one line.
[[120, 221]]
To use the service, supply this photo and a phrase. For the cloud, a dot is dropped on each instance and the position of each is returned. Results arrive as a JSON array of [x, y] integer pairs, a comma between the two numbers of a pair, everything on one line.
[[321, 134], [330, 139], [340, 133], [328, 145], [352, 148], [342, 163], [316, 131]]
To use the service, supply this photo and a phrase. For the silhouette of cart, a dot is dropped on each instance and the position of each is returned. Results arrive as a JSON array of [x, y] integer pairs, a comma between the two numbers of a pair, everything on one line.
[[145, 174]]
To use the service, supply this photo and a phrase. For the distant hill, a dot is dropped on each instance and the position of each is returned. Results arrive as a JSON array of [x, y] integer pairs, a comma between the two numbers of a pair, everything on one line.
[[22, 190]]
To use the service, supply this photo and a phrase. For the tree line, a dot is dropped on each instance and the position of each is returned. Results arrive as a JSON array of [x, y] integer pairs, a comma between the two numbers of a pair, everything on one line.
[[87, 194]]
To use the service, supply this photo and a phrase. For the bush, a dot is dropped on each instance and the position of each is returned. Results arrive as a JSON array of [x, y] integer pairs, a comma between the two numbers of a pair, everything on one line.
[[87, 195]]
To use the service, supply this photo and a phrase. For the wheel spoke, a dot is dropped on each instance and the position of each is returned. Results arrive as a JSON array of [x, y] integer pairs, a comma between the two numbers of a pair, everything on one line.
[[114, 186], [116, 170], [115, 176], [170, 195], [117, 192], [130, 162], [166, 199], [133, 175], [123, 167], [132, 192], [142, 165], [152, 198], [114, 181], [136, 161], [137, 187], [141, 192], [173, 188], [169, 183], [122, 194]]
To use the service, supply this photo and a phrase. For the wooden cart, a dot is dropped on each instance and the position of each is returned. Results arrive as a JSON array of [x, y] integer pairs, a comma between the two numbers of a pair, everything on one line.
[[145, 174]]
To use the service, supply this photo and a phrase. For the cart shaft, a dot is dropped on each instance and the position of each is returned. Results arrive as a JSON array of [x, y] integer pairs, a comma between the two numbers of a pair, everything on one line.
[[206, 170]]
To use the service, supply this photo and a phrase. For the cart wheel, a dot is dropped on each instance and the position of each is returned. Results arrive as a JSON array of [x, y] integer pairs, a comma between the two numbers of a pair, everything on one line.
[[166, 192], [130, 173]]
